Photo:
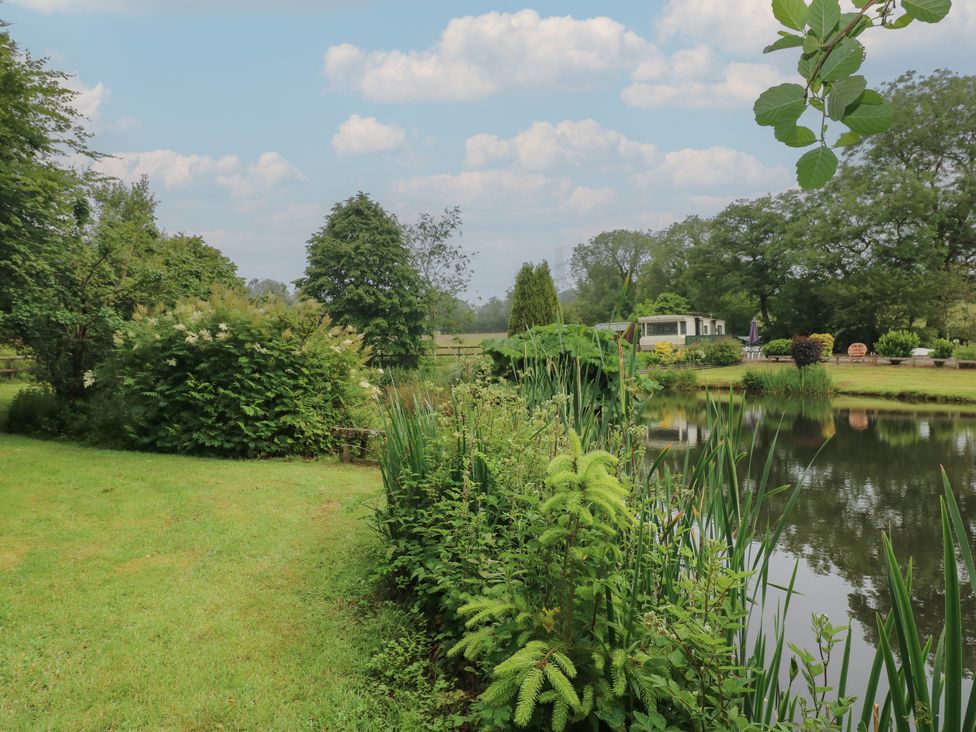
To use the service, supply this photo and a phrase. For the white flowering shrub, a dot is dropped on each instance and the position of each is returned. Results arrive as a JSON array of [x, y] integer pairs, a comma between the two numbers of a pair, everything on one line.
[[232, 377]]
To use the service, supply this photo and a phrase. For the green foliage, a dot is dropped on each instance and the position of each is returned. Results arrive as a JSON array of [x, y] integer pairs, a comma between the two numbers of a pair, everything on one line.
[[964, 353], [232, 377], [811, 380], [37, 411], [667, 303], [722, 352], [360, 270], [830, 58], [805, 351], [942, 348], [897, 344], [826, 341], [674, 379], [605, 270], [553, 346], [534, 300], [103, 269], [778, 347]]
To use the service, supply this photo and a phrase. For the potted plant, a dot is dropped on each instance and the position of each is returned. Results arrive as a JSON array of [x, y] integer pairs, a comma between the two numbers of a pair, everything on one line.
[[897, 345], [941, 351]]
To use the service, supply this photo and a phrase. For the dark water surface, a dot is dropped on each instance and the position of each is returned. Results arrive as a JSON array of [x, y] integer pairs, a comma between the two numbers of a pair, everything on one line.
[[877, 470]]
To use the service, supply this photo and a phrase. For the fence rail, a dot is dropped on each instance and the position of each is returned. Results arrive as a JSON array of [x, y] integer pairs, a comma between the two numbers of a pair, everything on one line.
[[14, 366], [458, 351]]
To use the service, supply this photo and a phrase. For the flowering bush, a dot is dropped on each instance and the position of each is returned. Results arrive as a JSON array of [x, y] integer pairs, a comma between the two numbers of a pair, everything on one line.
[[233, 377]]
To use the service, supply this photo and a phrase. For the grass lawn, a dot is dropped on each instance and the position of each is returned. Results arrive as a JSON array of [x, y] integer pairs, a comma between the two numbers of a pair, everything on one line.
[[143, 591], [467, 339], [885, 381]]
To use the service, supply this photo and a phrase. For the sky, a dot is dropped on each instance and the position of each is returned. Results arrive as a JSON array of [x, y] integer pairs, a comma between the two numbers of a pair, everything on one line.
[[546, 123]]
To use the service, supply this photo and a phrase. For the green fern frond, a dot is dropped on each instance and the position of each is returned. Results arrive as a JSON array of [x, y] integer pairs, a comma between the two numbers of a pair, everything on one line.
[[586, 704], [564, 663], [528, 695], [560, 716], [562, 685], [500, 692]]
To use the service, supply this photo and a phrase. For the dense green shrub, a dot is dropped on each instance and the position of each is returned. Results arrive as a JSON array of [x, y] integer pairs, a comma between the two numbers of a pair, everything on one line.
[[964, 353], [722, 352], [777, 347], [812, 379], [805, 351], [897, 344], [674, 379], [942, 348], [233, 377], [826, 341], [549, 346], [38, 411]]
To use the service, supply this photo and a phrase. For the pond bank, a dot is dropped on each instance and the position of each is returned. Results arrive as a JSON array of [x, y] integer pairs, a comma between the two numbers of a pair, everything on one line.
[[891, 382]]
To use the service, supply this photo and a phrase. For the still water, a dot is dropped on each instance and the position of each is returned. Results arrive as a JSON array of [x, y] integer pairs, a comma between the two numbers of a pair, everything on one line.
[[863, 471]]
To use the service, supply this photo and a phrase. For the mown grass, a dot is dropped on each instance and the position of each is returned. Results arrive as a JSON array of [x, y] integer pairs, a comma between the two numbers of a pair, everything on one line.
[[885, 381], [466, 339], [143, 591]]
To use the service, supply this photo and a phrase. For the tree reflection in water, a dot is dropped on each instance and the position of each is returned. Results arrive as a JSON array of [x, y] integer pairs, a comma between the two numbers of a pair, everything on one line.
[[879, 470]]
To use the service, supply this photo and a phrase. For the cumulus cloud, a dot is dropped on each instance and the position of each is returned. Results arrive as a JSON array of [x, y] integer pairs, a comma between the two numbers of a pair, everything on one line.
[[478, 56], [359, 135], [584, 199], [738, 84], [743, 27], [175, 169], [545, 145], [711, 167]]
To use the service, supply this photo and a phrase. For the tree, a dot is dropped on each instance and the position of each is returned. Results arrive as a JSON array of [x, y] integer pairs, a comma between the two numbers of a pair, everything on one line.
[[605, 271], [107, 266], [492, 315], [534, 300], [444, 267], [667, 303], [264, 289], [359, 268], [40, 196]]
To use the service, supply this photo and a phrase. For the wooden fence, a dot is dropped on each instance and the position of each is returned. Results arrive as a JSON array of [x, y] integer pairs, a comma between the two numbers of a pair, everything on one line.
[[14, 366], [458, 351]]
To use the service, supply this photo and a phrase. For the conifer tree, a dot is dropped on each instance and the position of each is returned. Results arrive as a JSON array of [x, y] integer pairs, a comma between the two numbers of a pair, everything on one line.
[[534, 300]]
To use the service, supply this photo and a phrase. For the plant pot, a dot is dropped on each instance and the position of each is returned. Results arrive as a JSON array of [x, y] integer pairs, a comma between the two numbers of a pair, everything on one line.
[[896, 361], [939, 362]]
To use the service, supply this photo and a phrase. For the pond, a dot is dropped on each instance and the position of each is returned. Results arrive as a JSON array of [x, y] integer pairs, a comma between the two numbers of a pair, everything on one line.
[[865, 467]]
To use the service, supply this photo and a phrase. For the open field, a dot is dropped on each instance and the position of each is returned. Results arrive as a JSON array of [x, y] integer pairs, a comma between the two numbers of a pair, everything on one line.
[[466, 339], [143, 591], [883, 381]]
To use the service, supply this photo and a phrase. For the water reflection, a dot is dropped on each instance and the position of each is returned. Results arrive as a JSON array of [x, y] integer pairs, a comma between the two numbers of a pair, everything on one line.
[[879, 470]]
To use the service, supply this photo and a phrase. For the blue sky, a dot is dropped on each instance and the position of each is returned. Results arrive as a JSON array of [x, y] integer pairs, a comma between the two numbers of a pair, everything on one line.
[[547, 123]]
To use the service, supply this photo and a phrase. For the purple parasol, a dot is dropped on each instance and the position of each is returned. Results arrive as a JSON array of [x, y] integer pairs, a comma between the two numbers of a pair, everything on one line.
[[753, 332]]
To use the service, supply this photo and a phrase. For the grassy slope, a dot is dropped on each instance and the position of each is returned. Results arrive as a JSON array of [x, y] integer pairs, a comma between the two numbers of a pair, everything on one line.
[[888, 381], [143, 591]]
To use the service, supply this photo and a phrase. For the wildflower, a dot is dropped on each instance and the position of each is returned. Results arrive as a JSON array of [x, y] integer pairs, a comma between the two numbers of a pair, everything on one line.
[[88, 379], [223, 335], [379, 371], [117, 339], [180, 327], [171, 362], [347, 342], [337, 349], [221, 326], [191, 338], [157, 337], [204, 335]]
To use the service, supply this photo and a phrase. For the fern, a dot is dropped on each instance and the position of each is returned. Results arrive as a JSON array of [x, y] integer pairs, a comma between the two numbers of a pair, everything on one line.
[[528, 695]]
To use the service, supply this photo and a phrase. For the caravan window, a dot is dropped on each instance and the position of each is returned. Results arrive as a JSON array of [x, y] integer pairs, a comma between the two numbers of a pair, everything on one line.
[[683, 327], [663, 329]]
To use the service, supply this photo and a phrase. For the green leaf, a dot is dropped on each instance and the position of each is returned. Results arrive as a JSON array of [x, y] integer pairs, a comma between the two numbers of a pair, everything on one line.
[[844, 60], [902, 22], [782, 104], [927, 11], [787, 41], [791, 13], [869, 119], [795, 136], [823, 17], [844, 93], [810, 43], [848, 138], [815, 168], [953, 630]]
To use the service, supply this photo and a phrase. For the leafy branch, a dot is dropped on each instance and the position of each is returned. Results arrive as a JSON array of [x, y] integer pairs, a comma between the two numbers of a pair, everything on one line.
[[829, 61]]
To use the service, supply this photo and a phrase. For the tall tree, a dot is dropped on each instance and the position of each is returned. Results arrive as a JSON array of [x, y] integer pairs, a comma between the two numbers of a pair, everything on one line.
[[359, 268], [605, 270], [534, 300], [444, 267], [40, 196]]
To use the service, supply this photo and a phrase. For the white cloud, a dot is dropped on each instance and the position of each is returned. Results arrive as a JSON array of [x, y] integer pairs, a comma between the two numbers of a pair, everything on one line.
[[88, 99], [359, 135], [478, 56], [739, 84], [584, 199], [744, 26], [710, 167], [270, 170], [544, 145], [487, 189], [176, 169]]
